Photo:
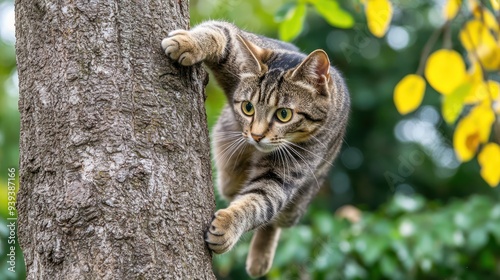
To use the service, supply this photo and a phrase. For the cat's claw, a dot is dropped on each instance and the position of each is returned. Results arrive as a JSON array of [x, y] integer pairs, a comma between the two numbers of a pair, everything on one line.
[[220, 235], [181, 47]]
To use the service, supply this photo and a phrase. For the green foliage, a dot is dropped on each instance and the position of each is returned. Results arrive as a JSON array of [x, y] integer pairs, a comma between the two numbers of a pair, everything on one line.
[[333, 13], [291, 16], [293, 21], [9, 115], [408, 238]]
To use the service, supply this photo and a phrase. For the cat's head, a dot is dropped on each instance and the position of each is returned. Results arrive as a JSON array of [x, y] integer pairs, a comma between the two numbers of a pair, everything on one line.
[[282, 97]]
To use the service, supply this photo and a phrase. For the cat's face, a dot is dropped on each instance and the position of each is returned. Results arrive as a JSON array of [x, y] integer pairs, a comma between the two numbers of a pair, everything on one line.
[[277, 109], [281, 99]]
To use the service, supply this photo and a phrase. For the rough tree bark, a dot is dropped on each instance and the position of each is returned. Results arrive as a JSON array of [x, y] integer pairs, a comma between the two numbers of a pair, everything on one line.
[[115, 168]]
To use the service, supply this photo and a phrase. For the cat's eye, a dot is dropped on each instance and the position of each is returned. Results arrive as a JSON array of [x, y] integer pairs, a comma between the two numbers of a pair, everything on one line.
[[284, 114], [247, 108]]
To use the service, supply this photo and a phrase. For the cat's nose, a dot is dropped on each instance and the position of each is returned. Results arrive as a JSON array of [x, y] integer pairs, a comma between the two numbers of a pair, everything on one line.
[[257, 137]]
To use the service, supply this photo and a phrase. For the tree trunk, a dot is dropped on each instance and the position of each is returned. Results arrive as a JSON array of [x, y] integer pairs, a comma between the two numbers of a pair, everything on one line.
[[115, 171]]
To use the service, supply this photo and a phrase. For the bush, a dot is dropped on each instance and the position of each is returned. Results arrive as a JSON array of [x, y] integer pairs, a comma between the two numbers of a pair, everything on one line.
[[408, 238]]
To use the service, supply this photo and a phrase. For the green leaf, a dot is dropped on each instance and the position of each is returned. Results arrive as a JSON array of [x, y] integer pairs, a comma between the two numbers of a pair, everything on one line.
[[334, 14], [293, 23], [494, 229], [323, 221], [425, 246], [477, 239], [407, 203], [283, 11], [389, 266], [453, 103], [375, 248]]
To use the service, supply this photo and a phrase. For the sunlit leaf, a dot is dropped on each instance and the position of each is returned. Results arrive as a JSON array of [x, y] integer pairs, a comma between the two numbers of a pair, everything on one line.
[[465, 140], [451, 8], [445, 71], [334, 14], [453, 103], [472, 130], [484, 92], [378, 15], [475, 33], [489, 159], [495, 4], [283, 11], [408, 93], [477, 38], [475, 73], [473, 5], [475, 77], [293, 23], [486, 16]]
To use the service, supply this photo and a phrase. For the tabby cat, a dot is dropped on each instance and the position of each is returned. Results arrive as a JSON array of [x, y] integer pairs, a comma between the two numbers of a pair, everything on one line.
[[276, 138]]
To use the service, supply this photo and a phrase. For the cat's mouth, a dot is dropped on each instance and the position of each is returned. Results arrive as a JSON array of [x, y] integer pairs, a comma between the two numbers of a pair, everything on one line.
[[263, 146]]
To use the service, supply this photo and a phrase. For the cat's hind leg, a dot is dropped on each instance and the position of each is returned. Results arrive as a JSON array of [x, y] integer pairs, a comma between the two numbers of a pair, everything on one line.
[[262, 249]]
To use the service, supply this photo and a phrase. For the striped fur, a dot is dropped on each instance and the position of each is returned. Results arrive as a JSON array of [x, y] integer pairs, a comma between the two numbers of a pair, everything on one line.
[[267, 169]]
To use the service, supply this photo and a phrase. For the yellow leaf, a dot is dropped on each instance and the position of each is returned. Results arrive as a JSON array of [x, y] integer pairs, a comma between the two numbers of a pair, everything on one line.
[[475, 33], [484, 92], [408, 93], [475, 73], [445, 71], [496, 106], [489, 159], [451, 8], [465, 140], [478, 40], [378, 15], [495, 4], [475, 77], [486, 16], [493, 88], [473, 5], [473, 129], [483, 117]]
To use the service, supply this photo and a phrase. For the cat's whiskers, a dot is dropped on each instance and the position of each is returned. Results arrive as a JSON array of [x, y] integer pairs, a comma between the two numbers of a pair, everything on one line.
[[226, 134], [282, 162], [290, 149], [228, 141], [229, 153], [316, 138], [306, 150], [241, 152], [286, 157], [291, 159], [238, 147], [228, 148], [336, 132]]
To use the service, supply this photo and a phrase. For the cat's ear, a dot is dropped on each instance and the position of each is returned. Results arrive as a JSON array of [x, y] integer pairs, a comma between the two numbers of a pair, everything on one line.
[[315, 69], [254, 56]]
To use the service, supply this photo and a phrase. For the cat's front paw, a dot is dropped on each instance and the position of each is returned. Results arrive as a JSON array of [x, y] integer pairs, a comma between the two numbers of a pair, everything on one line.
[[182, 47], [223, 232]]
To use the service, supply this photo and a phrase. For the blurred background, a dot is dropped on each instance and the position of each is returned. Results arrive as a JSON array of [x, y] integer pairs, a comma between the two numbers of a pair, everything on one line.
[[415, 211]]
